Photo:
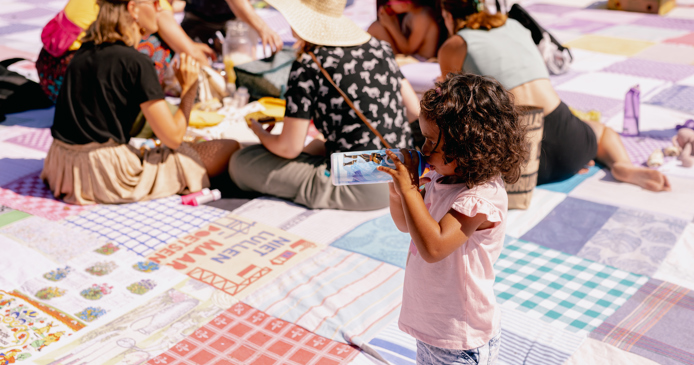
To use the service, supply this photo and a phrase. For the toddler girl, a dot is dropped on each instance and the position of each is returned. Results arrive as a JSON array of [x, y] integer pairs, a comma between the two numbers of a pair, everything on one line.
[[474, 143]]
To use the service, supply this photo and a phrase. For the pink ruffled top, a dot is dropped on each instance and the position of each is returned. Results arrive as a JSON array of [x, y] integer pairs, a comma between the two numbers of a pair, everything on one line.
[[451, 303]]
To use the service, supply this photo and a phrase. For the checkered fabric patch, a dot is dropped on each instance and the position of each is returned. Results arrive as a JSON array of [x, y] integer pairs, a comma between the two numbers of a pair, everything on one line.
[[640, 148], [652, 69], [30, 195], [678, 97], [571, 292], [143, 227], [39, 139], [248, 336]]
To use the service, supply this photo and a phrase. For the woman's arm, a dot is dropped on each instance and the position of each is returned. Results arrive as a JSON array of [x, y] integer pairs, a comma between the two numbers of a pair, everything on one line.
[[434, 240], [287, 144], [419, 29], [452, 55], [410, 99], [178, 40], [171, 129], [245, 12]]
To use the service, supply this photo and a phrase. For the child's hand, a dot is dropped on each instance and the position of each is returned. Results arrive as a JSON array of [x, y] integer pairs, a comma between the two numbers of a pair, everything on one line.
[[386, 19], [406, 173]]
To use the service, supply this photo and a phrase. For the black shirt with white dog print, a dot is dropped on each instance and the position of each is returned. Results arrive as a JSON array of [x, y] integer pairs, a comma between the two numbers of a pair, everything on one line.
[[370, 77]]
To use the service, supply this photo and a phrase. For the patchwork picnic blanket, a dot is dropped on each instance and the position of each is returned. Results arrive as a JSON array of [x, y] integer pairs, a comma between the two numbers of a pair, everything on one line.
[[595, 271]]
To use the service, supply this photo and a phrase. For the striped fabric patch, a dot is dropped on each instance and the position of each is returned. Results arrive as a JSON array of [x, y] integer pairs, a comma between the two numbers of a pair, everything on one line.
[[525, 340], [340, 295], [573, 293], [657, 323]]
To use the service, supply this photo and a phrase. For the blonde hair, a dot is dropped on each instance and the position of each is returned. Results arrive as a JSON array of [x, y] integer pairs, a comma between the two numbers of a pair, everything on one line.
[[112, 24]]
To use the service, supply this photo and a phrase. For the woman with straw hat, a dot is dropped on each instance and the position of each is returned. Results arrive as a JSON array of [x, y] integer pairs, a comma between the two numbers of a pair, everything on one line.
[[335, 53], [106, 85]]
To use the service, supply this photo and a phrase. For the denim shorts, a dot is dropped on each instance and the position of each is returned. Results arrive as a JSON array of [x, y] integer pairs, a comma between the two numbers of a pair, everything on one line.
[[484, 355]]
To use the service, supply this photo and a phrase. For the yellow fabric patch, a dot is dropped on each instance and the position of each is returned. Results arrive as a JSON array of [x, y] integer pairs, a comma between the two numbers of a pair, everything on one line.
[[616, 46]]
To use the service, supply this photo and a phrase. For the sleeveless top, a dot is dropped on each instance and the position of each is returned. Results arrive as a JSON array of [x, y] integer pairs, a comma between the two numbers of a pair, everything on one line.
[[506, 53]]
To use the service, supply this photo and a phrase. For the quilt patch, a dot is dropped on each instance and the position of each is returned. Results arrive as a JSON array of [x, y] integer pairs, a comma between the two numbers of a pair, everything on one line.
[[245, 335], [570, 225], [30, 194], [146, 226], [37, 138], [378, 239], [574, 293], [340, 295], [634, 240], [656, 323]]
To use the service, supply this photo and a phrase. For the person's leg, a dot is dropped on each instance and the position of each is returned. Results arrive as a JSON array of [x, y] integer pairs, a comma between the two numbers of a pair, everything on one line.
[[611, 152], [302, 180], [378, 31], [215, 154]]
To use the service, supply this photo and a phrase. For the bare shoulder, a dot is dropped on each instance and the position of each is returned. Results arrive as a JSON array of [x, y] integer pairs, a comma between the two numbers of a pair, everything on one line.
[[452, 45]]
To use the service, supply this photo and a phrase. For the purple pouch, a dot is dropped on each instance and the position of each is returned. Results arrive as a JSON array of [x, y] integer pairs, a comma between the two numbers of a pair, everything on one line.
[[688, 124], [632, 108]]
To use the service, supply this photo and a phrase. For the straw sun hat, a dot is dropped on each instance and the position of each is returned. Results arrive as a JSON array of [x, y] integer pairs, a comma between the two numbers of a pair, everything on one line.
[[321, 22]]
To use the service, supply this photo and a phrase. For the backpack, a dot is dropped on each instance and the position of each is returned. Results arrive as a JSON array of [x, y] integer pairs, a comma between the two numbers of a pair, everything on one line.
[[17, 93], [557, 57]]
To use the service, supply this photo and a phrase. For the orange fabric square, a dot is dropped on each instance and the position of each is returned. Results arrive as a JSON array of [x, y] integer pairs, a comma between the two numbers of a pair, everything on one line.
[[264, 360], [279, 347], [302, 356], [242, 353], [222, 344], [238, 309], [221, 321], [326, 361], [239, 330], [259, 338], [183, 348], [317, 342], [296, 333], [224, 362], [341, 350], [275, 325], [202, 357]]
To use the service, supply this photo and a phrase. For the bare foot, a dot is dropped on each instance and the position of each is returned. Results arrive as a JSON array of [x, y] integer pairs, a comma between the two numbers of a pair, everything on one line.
[[648, 179]]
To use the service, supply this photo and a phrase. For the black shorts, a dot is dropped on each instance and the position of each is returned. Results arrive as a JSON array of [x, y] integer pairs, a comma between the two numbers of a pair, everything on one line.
[[568, 144]]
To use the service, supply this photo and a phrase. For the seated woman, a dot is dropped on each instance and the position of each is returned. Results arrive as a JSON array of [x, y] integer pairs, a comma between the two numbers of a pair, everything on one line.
[[416, 34], [492, 45], [53, 59], [106, 85], [364, 68]]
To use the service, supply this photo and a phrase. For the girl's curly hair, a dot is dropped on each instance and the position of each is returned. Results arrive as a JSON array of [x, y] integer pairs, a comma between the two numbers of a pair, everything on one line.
[[479, 128]]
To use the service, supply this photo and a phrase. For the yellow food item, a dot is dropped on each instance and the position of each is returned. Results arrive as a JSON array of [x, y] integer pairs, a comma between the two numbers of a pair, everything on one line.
[[229, 69], [274, 108], [201, 119]]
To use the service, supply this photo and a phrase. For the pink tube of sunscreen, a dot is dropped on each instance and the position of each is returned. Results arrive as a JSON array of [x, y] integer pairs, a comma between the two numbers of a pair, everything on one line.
[[189, 199]]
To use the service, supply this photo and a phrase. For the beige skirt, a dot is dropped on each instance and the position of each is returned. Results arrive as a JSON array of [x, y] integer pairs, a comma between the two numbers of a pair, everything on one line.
[[112, 173]]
